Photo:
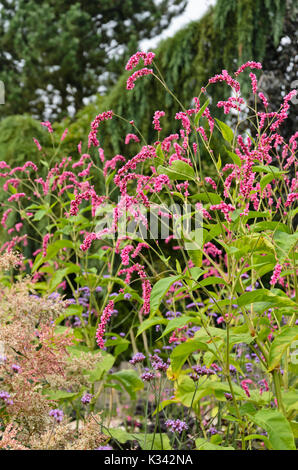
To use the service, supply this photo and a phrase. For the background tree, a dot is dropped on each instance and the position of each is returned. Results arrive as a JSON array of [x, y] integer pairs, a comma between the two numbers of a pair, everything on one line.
[[266, 31], [228, 35], [55, 53]]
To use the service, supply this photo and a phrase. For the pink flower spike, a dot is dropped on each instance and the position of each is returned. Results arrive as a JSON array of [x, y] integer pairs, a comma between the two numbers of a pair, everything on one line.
[[64, 134], [130, 84], [92, 138], [48, 125], [37, 144], [264, 100], [108, 311], [45, 242], [130, 137], [211, 182], [101, 154], [16, 197], [5, 216], [250, 64], [3, 165], [112, 163], [156, 117], [291, 198], [276, 274], [254, 83], [135, 59]]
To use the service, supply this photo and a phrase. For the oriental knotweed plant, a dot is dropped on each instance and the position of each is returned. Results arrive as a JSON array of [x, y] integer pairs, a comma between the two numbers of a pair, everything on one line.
[[190, 275]]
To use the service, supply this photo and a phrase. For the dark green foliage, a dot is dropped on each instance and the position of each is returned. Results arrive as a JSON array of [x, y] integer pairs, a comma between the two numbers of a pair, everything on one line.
[[16, 139], [60, 52], [248, 25]]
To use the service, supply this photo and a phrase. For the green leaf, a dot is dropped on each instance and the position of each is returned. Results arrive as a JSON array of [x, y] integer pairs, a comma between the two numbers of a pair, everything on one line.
[[226, 131], [284, 244], [290, 401], [57, 278], [159, 290], [149, 322], [269, 169], [200, 112], [196, 273], [196, 257], [105, 364], [159, 160], [52, 250], [61, 395], [280, 344], [129, 380], [70, 311], [236, 335], [207, 197], [235, 158], [118, 434], [39, 214], [270, 299], [183, 351], [279, 431], [120, 344], [179, 170], [204, 444], [260, 437], [266, 180], [188, 394], [294, 427], [146, 441], [262, 226], [212, 280], [151, 441], [176, 323], [214, 231]]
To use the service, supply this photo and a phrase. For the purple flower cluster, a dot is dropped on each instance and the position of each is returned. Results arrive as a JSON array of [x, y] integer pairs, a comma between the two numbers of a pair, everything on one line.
[[158, 364], [176, 425], [199, 371], [147, 376], [229, 396], [5, 396], [138, 357], [170, 314], [57, 415], [86, 399]]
